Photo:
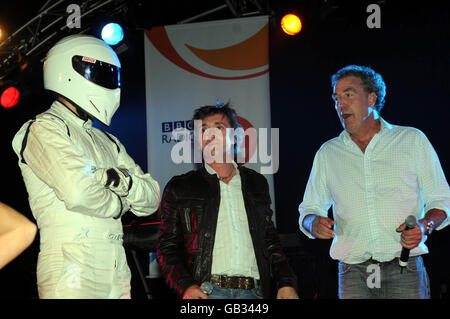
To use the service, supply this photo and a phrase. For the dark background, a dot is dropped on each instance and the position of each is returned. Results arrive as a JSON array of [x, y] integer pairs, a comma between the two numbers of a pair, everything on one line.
[[411, 51]]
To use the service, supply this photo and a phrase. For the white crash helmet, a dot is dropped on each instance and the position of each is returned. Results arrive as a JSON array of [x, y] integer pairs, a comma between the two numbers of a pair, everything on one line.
[[86, 71]]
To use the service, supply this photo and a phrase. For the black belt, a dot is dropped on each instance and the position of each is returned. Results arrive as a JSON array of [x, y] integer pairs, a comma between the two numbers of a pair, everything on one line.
[[234, 282], [373, 261]]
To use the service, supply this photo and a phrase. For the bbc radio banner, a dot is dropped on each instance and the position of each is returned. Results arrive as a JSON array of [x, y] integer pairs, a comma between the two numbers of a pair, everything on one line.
[[208, 63]]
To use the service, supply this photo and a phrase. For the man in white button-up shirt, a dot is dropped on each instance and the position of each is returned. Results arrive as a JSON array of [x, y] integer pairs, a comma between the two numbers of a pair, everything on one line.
[[374, 174]]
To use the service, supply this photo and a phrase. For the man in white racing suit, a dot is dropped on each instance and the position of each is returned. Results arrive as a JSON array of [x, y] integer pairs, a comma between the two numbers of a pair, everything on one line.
[[80, 179]]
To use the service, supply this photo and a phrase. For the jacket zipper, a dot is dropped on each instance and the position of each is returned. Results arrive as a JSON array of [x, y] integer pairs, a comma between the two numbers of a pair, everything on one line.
[[187, 218]]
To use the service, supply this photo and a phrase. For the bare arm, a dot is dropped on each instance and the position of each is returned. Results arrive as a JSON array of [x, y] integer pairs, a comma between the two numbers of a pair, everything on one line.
[[16, 234]]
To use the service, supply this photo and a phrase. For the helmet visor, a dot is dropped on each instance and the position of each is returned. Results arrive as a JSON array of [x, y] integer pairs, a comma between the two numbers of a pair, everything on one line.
[[98, 72]]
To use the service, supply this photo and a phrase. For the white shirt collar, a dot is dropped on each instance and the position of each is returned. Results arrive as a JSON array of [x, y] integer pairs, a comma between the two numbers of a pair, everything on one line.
[[384, 126], [212, 171]]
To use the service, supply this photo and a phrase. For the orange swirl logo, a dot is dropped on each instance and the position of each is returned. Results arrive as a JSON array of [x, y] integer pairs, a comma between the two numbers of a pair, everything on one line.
[[247, 55]]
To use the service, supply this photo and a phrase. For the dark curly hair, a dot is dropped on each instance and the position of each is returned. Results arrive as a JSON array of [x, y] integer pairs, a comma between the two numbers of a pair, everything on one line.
[[371, 81], [225, 109]]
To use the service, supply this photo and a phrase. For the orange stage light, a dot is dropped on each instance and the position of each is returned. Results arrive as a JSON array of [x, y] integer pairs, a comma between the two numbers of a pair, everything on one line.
[[291, 24]]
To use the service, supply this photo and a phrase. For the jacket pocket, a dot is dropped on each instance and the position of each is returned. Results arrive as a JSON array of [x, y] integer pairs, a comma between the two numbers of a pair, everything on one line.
[[187, 218], [190, 211]]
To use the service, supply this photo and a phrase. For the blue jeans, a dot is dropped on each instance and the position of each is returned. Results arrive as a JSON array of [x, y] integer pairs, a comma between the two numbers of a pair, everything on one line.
[[228, 293], [384, 281]]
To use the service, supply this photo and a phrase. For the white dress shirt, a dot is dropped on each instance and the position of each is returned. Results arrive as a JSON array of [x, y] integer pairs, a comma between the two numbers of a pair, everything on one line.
[[233, 253], [372, 193]]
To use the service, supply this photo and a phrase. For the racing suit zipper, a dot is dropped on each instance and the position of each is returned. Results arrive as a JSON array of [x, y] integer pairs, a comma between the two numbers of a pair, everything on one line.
[[92, 138]]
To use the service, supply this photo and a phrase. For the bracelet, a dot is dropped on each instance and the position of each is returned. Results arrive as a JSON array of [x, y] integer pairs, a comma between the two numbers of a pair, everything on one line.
[[429, 227]]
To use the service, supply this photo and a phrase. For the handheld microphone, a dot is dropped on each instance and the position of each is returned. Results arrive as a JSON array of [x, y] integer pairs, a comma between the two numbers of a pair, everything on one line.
[[410, 224]]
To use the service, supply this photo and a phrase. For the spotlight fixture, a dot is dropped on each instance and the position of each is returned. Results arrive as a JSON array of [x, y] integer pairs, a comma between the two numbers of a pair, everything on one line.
[[10, 97], [112, 33], [291, 24]]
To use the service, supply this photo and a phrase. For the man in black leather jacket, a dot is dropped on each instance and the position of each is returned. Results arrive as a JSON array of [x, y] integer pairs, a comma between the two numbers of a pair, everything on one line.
[[210, 236]]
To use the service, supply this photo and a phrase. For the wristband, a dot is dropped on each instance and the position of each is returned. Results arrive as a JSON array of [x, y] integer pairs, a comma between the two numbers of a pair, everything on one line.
[[429, 227]]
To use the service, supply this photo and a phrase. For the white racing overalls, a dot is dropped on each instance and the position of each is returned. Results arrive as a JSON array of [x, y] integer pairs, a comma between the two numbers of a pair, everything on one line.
[[81, 252]]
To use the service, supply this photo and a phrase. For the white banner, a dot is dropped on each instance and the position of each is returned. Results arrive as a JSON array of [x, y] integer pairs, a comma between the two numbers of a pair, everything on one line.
[[192, 65]]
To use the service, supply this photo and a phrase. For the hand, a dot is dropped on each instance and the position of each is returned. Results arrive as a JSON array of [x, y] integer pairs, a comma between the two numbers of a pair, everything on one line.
[[194, 292], [116, 179], [411, 238], [287, 293], [322, 227]]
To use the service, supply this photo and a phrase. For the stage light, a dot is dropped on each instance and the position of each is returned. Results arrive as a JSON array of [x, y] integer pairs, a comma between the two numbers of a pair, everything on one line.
[[112, 33], [10, 97], [291, 24]]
